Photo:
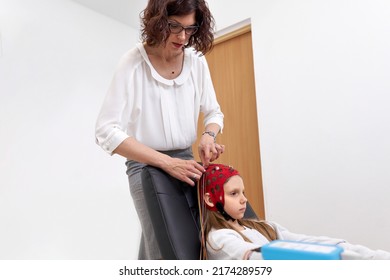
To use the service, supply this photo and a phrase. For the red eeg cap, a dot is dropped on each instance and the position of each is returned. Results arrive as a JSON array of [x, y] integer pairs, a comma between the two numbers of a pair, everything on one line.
[[213, 180]]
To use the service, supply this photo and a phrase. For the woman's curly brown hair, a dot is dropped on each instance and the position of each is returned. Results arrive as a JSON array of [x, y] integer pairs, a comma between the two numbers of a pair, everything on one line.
[[154, 22]]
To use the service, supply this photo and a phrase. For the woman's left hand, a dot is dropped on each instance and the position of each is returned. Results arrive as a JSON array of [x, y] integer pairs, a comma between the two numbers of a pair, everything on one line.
[[209, 151]]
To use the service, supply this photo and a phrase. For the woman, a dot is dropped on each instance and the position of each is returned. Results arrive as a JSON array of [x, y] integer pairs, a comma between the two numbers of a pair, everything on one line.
[[226, 234], [151, 110]]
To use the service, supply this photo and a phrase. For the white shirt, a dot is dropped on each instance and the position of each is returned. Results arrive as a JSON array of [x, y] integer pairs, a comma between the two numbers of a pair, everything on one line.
[[162, 114], [227, 244]]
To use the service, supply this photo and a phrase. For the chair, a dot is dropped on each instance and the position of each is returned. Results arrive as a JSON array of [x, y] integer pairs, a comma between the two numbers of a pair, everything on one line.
[[173, 208]]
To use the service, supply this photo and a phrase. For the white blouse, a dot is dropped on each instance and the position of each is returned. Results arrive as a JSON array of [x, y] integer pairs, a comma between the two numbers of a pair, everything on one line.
[[160, 113]]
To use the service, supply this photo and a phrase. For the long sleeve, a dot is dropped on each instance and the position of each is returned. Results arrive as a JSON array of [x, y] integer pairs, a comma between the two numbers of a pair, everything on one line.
[[359, 252], [351, 251], [111, 125], [284, 234], [208, 103], [227, 244]]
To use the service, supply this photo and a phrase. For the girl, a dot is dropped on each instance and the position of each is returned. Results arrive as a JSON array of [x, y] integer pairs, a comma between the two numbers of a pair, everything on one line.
[[226, 234]]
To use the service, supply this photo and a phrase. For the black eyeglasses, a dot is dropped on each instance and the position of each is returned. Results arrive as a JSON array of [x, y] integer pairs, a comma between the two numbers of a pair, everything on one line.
[[176, 28]]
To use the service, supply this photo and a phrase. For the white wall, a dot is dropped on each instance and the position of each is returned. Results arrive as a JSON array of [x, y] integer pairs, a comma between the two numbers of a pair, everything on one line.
[[61, 195], [323, 91]]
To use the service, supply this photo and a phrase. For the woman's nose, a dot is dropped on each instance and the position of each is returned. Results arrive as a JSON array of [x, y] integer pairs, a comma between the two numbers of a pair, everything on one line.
[[181, 34]]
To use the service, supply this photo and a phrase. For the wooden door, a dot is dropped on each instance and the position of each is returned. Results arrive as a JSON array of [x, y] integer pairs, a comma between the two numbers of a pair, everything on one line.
[[231, 67]]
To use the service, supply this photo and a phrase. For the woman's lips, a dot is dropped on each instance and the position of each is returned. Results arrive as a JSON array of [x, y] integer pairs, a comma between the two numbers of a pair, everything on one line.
[[176, 45]]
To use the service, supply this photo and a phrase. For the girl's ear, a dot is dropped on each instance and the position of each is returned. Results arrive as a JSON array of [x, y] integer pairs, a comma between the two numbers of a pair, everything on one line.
[[207, 200]]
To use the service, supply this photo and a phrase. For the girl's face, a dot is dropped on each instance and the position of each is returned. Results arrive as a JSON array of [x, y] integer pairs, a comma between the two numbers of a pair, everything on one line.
[[181, 28], [235, 200]]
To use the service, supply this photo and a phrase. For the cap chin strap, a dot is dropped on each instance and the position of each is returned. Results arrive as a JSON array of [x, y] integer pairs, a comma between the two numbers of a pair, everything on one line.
[[222, 211]]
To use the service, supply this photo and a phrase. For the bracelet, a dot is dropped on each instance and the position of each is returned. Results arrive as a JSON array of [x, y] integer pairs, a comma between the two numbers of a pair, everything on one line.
[[211, 133]]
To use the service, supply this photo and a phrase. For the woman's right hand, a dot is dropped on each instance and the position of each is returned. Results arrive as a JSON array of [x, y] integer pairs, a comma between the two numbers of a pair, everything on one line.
[[188, 171]]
